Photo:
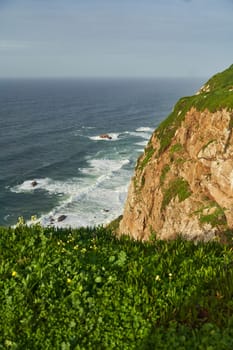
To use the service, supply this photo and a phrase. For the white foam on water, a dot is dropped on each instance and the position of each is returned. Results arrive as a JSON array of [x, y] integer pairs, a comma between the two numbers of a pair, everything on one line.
[[97, 207], [48, 185], [103, 166], [94, 199], [144, 129], [143, 143], [27, 186], [143, 135], [143, 132], [88, 127], [108, 164]]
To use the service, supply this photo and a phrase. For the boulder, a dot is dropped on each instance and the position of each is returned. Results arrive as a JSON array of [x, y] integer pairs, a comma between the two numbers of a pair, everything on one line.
[[106, 136], [61, 218]]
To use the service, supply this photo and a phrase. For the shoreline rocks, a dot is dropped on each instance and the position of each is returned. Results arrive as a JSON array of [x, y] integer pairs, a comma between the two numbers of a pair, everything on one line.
[[105, 136]]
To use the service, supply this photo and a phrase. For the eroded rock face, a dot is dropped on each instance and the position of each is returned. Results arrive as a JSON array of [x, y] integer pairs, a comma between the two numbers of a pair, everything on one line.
[[184, 185]]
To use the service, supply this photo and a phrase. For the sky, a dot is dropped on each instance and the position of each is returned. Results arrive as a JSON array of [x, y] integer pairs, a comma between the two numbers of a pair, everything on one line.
[[115, 38]]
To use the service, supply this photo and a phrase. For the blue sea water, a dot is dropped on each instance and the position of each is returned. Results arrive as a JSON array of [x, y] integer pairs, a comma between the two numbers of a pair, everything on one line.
[[50, 133]]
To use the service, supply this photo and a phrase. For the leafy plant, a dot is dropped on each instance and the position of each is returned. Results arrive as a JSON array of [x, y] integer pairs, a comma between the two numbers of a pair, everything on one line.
[[87, 289]]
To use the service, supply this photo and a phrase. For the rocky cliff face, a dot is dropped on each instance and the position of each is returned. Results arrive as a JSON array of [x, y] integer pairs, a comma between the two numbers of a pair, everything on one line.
[[183, 183]]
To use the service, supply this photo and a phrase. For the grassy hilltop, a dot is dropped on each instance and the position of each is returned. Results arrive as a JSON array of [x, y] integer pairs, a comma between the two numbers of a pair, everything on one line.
[[214, 95], [86, 289]]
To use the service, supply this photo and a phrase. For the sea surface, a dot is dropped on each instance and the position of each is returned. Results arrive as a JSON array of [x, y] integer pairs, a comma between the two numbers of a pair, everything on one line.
[[50, 133]]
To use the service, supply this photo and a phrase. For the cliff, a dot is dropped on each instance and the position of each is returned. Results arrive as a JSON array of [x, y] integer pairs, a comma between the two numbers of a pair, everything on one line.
[[183, 183]]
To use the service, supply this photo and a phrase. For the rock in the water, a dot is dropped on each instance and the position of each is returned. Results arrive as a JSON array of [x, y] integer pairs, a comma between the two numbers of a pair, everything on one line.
[[106, 136], [34, 183], [51, 219], [183, 183], [61, 218]]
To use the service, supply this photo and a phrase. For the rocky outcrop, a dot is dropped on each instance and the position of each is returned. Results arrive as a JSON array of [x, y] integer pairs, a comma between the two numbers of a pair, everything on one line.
[[106, 136], [183, 183], [61, 218]]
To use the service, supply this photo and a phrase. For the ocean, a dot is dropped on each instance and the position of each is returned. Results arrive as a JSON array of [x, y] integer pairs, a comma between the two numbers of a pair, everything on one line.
[[54, 163]]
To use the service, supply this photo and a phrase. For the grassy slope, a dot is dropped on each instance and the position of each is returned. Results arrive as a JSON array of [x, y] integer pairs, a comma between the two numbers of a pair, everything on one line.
[[85, 289], [216, 94]]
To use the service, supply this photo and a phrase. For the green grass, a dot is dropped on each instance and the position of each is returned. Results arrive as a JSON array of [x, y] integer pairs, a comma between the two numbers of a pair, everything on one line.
[[218, 97], [149, 151], [176, 148], [178, 187], [223, 80], [86, 289], [217, 218], [164, 172]]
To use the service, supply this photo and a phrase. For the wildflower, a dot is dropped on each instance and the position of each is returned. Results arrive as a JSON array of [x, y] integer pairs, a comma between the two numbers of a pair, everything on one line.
[[20, 221], [33, 218], [14, 274], [157, 278], [219, 295], [8, 343], [83, 250], [170, 275], [76, 247], [69, 280]]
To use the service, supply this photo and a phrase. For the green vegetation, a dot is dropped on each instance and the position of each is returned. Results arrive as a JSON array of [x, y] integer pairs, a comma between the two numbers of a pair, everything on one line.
[[222, 80], [215, 218], [86, 289], [149, 151], [177, 187], [168, 127], [212, 214], [114, 225], [176, 148], [216, 95], [164, 172]]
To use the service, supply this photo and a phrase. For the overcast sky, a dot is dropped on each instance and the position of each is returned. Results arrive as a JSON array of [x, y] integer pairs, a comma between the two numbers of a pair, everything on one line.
[[115, 38]]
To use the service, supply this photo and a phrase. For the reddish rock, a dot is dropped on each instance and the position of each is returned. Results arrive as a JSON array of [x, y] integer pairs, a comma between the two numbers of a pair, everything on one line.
[[106, 136]]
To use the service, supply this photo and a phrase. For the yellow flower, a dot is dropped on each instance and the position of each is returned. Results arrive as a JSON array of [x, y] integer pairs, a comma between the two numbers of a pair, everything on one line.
[[157, 278], [33, 218], [20, 221], [14, 274], [69, 280]]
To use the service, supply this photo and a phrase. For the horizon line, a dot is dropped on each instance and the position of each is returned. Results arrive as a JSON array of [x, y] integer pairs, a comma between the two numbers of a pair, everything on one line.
[[98, 77]]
